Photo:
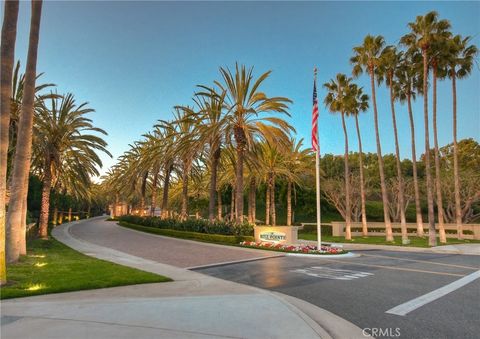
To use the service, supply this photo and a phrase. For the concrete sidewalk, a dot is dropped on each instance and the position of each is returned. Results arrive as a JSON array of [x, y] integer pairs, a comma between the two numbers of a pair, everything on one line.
[[193, 306]]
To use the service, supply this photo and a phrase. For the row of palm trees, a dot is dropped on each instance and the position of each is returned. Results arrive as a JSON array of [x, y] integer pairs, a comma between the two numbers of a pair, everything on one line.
[[430, 47], [226, 138], [47, 135]]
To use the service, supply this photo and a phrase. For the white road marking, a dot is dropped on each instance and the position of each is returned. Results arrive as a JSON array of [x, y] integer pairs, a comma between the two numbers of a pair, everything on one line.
[[331, 273], [413, 304]]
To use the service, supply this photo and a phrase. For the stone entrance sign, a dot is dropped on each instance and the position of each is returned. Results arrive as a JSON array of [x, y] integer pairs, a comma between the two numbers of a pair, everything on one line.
[[285, 235]]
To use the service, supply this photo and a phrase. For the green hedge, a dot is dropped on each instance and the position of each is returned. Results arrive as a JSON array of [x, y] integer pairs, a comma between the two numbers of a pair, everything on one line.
[[215, 238], [191, 225], [326, 230]]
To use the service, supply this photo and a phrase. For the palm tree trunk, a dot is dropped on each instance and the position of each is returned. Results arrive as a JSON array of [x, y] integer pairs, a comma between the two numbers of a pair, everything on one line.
[[186, 169], [22, 240], [239, 184], [55, 216], [401, 197], [213, 184], [432, 239], [267, 200], [143, 194], [418, 207], [362, 181], [44, 209], [254, 202], [154, 192], [272, 197], [251, 201], [9, 34], [458, 208], [219, 205], [21, 167], [386, 212], [438, 184], [232, 204], [166, 184], [60, 218], [348, 213], [69, 214], [289, 202]]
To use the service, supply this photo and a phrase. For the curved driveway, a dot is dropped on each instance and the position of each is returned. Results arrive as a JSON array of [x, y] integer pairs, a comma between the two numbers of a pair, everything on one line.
[[171, 251]]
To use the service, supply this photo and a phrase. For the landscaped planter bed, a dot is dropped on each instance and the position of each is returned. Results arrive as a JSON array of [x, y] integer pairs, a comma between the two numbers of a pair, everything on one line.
[[295, 249]]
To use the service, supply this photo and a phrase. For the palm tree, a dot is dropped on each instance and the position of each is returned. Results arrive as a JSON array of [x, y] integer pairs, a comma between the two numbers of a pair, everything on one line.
[[389, 62], [298, 162], [360, 104], [9, 35], [245, 103], [367, 58], [187, 146], [408, 81], [439, 71], [21, 167], [460, 59], [212, 130], [338, 101], [63, 132], [424, 33]]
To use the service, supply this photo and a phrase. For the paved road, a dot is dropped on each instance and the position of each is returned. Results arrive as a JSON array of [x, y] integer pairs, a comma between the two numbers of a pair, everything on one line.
[[362, 289], [165, 250]]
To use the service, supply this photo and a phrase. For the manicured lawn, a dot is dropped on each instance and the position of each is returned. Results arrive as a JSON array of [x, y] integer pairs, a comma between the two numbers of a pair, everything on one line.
[[380, 240], [51, 267]]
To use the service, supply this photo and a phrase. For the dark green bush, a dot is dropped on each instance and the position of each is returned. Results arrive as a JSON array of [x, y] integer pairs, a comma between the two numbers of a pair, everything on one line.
[[326, 229], [215, 238], [191, 225]]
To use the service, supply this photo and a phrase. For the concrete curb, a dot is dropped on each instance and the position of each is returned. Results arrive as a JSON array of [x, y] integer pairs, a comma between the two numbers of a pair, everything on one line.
[[463, 249], [324, 323], [324, 256]]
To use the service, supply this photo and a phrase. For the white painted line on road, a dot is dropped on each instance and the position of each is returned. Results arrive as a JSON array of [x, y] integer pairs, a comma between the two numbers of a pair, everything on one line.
[[331, 273], [412, 305], [224, 263], [421, 261]]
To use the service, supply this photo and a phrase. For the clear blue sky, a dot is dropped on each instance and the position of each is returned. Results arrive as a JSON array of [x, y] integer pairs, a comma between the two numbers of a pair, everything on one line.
[[133, 61]]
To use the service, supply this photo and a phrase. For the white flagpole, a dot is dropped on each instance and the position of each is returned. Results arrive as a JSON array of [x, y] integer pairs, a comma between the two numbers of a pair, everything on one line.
[[317, 177]]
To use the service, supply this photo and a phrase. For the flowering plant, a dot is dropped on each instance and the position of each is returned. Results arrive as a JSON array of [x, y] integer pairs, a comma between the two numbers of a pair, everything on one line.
[[307, 249]]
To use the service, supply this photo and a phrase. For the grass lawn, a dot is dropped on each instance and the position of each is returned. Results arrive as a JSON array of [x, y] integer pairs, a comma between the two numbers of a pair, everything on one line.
[[51, 267], [380, 240]]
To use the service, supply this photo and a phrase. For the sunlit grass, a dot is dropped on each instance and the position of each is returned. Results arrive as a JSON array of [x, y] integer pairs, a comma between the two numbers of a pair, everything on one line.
[[51, 267]]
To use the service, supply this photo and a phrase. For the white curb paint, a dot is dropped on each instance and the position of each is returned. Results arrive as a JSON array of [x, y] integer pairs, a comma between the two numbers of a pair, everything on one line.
[[413, 304], [323, 256]]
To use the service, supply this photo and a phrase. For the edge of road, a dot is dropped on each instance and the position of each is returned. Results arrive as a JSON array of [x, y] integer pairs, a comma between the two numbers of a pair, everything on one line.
[[323, 322]]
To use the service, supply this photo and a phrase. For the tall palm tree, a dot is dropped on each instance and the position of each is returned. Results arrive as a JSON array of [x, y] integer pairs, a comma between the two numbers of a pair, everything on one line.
[[212, 130], [298, 162], [389, 62], [359, 103], [424, 32], [408, 80], [460, 58], [437, 62], [367, 58], [7, 51], [21, 167], [338, 101], [62, 132], [245, 103]]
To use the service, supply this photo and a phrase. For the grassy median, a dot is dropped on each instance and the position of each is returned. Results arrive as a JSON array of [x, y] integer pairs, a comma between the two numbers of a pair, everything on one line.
[[51, 267], [380, 240]]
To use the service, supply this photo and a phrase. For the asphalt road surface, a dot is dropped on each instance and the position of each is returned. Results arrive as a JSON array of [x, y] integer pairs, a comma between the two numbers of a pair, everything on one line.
[[438, 293]]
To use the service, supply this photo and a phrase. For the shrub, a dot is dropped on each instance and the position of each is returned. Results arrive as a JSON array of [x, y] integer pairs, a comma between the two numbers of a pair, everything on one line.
[[215, 238], [191, 225], [326, 229]]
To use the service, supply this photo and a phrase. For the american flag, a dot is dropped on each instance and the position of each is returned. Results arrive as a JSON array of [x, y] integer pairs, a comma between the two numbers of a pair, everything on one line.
[[315, 118]]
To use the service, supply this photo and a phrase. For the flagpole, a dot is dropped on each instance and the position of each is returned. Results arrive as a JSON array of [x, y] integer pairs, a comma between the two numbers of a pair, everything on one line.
[[317, 177]]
